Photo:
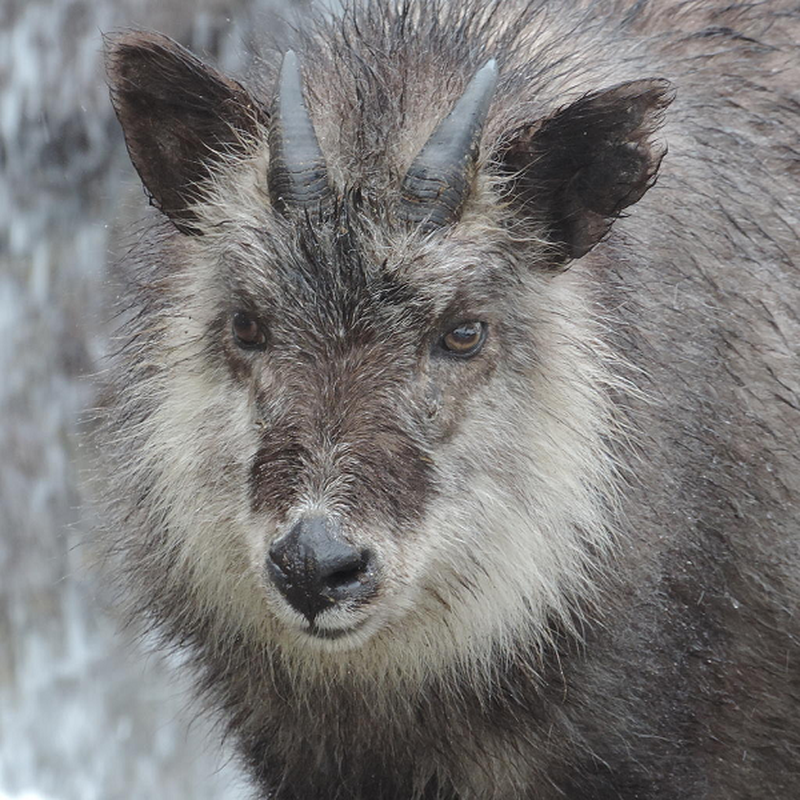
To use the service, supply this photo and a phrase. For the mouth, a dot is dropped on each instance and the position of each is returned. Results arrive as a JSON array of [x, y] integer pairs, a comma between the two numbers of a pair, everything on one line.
[[333, 634]]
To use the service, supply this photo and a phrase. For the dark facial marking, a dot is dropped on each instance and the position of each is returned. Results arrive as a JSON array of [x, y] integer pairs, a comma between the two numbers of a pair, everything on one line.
[[276, 470], [345, 343]]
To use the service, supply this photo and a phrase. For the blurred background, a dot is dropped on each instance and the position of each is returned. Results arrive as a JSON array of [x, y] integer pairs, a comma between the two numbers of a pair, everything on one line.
[[84, 713]]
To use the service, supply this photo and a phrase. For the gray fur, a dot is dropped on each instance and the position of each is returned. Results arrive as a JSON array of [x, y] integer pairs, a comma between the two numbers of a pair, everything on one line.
[[587, 534]]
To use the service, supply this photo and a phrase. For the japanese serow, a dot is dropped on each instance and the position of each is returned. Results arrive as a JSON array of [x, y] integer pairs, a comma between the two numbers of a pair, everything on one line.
[[448, 488]]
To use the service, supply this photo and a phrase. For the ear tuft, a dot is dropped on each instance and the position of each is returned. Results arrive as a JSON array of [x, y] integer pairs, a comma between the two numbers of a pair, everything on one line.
[[579, 168], [178, 115]]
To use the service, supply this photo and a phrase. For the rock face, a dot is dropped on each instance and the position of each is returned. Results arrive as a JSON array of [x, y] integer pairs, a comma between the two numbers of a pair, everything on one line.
[[82, 716]]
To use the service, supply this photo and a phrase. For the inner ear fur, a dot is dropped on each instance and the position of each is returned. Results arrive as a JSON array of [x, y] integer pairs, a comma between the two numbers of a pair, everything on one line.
[[178, 115], [577, 169]]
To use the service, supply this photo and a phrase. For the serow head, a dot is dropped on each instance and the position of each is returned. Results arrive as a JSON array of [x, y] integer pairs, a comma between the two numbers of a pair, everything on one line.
[[371, 413]]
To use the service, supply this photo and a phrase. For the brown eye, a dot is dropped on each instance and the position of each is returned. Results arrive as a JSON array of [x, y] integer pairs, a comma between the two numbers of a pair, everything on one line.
[[247, 332], [465, 340]]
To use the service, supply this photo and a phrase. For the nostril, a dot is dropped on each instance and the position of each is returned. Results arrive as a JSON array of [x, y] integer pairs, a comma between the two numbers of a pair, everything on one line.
[[348, 576]]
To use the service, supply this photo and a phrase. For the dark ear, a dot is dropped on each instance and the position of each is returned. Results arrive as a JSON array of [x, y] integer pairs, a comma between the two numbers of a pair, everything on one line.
[[177, 115], [579, 168]]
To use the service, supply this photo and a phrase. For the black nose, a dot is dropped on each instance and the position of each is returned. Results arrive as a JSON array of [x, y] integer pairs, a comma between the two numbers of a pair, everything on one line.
[[315, 568]]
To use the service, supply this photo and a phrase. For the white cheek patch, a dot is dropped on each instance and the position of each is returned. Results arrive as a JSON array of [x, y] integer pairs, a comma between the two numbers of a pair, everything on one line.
[[200, 495], [517, 543]]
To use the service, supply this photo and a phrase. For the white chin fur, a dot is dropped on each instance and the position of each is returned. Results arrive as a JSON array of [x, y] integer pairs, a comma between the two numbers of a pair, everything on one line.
[[336, 638], [334, 630]]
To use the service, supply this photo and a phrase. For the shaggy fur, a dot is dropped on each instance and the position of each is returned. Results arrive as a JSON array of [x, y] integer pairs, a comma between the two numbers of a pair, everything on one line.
[[587, 533]]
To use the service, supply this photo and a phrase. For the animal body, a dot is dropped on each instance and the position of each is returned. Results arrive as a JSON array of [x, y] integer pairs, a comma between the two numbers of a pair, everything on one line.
[[449, 488]]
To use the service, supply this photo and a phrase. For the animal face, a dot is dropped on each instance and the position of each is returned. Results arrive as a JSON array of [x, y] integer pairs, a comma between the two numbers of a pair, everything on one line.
[[354, 448], [366, 425]]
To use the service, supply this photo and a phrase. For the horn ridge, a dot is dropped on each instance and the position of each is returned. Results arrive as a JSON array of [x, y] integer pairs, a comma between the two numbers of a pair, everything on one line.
[[298, 176], [437, 183]]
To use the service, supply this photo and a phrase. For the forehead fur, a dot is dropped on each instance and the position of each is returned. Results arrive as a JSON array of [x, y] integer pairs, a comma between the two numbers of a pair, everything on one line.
[[339, 266]]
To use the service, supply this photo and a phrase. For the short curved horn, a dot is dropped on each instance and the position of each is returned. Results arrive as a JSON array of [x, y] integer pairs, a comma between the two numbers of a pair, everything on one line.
[[437, 182], [298, 177]]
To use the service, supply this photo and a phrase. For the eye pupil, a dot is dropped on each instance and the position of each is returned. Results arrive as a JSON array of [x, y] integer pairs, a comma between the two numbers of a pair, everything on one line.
[[465, 340], [246, 330]]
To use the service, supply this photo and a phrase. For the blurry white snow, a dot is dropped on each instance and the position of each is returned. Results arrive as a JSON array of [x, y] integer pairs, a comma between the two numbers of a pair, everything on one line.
[[82, 716]]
